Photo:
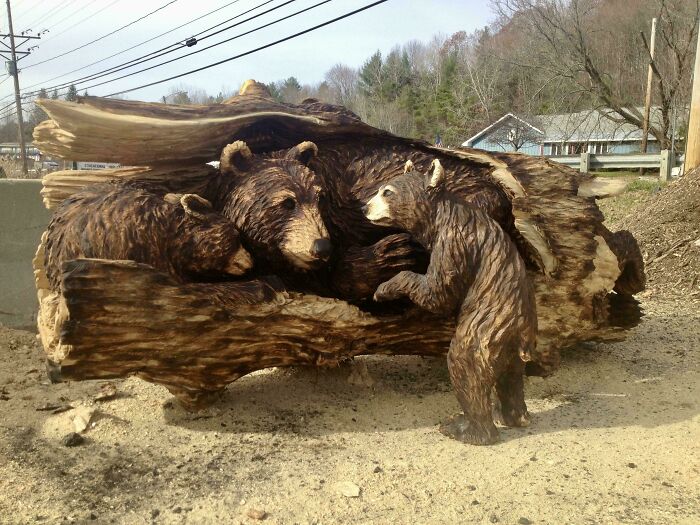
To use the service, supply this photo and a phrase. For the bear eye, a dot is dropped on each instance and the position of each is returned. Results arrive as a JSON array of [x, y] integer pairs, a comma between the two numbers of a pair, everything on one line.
[[289, 203], [387, 193]]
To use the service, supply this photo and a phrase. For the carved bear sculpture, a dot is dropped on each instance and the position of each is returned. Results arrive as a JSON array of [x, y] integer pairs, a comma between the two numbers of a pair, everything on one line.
[[274, 203], [280, 207], [475, 274], [178, 234]]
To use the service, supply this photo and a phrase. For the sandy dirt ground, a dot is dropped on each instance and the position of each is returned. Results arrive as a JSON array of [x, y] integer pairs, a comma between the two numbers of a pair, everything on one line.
[[615, 438]]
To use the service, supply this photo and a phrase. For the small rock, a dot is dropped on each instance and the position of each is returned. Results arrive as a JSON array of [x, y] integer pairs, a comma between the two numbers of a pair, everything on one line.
[[155, 513], [256, 514], [471, 487], [524, 521], [177, 510], [632, 465], [72, 440], [93, 516], [666, 484], [533, 458], [493, 518], [348, 489], [107, 391], [475, 502], [377, 469], [81, 417]]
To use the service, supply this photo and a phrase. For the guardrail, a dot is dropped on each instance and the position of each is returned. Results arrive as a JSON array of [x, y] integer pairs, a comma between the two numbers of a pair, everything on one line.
[[587, 161]]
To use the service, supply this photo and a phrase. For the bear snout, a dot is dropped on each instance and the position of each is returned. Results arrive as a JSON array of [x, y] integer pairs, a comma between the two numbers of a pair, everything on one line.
[[240, 263], [321, 248]]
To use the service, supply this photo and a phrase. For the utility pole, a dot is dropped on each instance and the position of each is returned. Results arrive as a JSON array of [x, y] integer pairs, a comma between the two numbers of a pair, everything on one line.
[[692, 147], [14, 71], [650, 78]]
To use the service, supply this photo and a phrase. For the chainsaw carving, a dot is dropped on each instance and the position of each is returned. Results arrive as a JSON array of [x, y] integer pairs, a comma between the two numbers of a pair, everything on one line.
[[330, 164]]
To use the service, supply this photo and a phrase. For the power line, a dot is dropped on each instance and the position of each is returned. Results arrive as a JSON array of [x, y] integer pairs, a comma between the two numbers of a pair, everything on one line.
[[166, 51], [28, 9], [260, 48], [213, 45], [71, 15], [104, 36], [49, 13], [138, 60], [5, 107]]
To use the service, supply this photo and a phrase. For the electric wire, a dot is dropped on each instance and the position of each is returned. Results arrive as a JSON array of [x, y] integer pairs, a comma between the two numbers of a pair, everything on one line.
[[102, 37], [209, 47], [250, 52], [49, 13], [71, 15], [163, 51]]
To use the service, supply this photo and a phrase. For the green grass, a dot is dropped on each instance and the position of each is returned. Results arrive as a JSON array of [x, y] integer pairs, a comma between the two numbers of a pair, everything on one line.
[[645, 185]]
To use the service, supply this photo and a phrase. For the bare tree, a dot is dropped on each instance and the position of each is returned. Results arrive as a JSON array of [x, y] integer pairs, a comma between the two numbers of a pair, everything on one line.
[[514, 133], [568, 45], [342, 83]]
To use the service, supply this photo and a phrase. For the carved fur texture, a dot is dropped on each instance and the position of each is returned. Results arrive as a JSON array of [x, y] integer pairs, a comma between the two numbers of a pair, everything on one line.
[[274, 202], [477, 275], [178, 234]]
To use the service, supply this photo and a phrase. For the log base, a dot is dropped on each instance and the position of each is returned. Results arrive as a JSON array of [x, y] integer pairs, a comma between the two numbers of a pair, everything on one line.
[[120, 318]]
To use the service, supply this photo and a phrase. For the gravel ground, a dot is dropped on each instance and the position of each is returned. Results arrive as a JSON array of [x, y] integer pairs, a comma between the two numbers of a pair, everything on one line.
[[615, 438]]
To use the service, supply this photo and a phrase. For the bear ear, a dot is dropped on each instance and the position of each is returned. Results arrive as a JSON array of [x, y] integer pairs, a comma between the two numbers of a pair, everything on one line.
[[303, 152], [195, 206], [437, 174], [235, 157], [408, 167], [172, 198]]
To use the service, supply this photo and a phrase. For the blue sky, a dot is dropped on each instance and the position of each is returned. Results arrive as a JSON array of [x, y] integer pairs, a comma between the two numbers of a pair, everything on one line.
[[308, 57]]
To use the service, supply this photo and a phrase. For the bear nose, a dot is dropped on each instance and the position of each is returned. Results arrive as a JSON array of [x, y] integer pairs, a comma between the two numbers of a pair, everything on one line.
[[321, 248]]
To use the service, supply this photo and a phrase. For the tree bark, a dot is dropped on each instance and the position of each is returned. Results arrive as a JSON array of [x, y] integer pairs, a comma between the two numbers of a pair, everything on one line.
[[124, 318]]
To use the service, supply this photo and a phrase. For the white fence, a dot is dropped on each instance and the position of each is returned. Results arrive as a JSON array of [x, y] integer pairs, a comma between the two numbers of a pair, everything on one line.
[[588, 161]]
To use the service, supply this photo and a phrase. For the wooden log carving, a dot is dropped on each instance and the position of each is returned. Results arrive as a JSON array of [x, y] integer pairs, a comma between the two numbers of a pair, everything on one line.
[[547, 209], [124, 318], [59, 185]]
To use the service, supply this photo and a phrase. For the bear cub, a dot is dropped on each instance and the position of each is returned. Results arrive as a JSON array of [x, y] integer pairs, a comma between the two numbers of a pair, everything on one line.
[[476, 274], [177, 234]]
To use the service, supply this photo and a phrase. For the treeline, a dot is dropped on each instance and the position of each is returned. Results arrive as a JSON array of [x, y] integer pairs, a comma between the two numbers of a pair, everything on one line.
[[537, 57]]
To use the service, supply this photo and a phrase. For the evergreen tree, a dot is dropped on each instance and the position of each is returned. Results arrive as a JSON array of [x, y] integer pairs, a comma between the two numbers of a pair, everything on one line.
[[37, 114], [371, 76], [72, 94], [54, 95]]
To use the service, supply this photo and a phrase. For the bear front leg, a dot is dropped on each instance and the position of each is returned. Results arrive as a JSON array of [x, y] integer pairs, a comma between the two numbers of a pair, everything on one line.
[[423, 291], [472, 378], [361, 269], [400, 285]]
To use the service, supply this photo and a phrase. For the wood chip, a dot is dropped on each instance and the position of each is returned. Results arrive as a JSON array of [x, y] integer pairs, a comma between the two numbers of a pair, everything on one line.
[[256, 514], [347, 489], [81, 418], [107, 391]]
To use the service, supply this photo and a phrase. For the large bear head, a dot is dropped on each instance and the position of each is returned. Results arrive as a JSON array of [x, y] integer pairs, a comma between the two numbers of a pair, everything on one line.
[[274, 202]]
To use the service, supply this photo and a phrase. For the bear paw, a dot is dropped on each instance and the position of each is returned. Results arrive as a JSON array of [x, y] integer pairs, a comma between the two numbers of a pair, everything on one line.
[[386, 292], [460, 428]]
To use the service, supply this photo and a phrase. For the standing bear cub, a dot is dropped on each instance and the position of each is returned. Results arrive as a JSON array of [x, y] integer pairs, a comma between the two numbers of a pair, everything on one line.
[[476, 274]]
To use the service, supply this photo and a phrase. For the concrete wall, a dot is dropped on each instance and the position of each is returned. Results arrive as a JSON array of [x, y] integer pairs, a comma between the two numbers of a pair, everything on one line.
[[23, 218]]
